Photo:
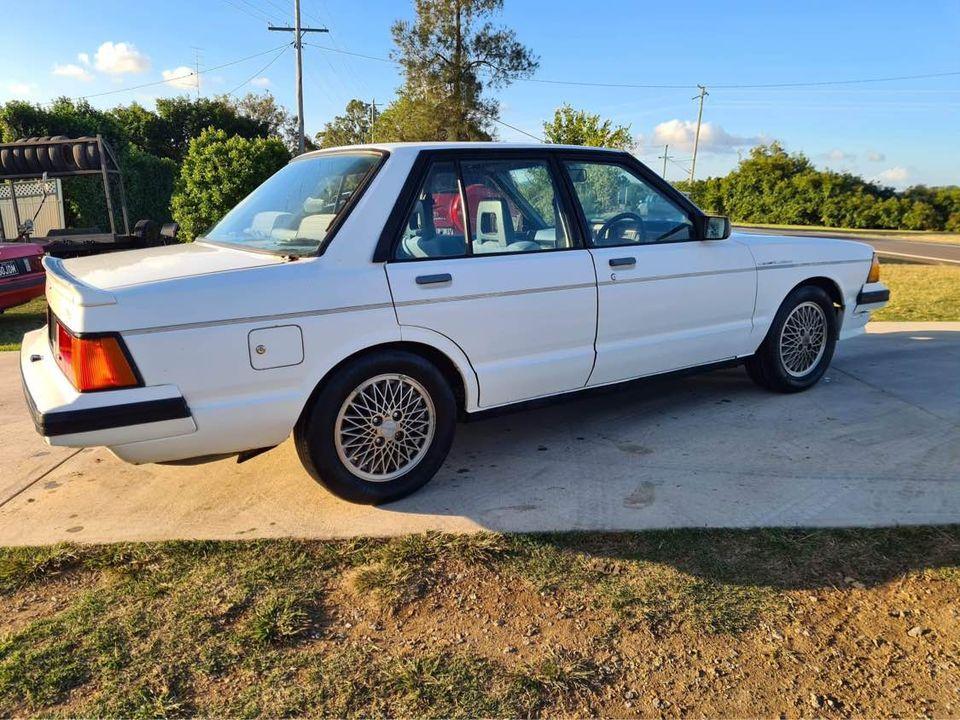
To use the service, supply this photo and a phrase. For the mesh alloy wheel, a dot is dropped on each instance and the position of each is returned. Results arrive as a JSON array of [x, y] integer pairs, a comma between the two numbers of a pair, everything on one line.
[[385, 427], [803, 339]]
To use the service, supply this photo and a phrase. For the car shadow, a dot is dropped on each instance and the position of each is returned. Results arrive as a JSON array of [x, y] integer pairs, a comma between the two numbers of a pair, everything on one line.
[[874, 444]]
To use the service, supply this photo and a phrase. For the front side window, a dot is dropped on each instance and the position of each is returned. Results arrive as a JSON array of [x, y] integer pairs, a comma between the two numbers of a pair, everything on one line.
[[292, 211], [621, 208]]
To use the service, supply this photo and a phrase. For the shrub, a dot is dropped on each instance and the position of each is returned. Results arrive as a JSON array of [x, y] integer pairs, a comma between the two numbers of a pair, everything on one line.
[[217, 173]]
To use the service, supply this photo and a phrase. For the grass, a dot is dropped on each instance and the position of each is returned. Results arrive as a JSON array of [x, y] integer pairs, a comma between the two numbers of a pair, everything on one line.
[[920, 292], [19, 320], [924, 235], [376, 627]]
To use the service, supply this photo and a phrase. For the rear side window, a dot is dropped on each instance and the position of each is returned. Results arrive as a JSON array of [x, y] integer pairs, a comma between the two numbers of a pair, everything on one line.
[[512, 206], [435, 227], [491, 207]]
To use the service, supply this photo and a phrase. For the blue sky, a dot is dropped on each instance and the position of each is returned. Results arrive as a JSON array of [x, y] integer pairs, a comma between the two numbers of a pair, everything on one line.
[[900, 133]]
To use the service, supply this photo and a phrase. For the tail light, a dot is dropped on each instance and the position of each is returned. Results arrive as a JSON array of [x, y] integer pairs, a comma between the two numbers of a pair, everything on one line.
[[93, 362], [874, 275]]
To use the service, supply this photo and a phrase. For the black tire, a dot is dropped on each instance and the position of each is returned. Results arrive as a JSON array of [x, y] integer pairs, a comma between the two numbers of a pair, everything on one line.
[[57, 157], [79, 153], [767, 368], [30, 162], [93, 156], [19, 159], [43, 155], [6, 161], [315, 433]]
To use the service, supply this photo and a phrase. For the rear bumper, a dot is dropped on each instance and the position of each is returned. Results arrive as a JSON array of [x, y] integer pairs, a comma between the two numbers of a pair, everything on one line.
[[66, 417]]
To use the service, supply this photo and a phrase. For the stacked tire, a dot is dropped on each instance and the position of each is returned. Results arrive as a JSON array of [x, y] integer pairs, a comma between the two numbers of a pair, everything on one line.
[[35, 156]]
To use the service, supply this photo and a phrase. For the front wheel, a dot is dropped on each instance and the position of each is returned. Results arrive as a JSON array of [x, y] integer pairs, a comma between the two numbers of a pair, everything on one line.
[[379, 429], [800, 343]]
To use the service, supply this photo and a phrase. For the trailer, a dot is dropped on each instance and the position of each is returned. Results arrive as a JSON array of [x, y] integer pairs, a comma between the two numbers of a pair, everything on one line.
[[46, 158]]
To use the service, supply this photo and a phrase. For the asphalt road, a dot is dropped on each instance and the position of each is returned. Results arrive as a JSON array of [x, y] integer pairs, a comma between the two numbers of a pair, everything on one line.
[[917, 250], [876, 443]]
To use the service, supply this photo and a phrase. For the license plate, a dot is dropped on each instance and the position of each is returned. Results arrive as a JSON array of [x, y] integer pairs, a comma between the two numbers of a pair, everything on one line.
[[9, 268]]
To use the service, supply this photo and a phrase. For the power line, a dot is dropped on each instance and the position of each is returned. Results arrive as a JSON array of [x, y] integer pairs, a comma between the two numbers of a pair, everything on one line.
[[689, 86], [524, 132], [240, 8], [166, 81], [261, 70], [840, 82], [355, 54]]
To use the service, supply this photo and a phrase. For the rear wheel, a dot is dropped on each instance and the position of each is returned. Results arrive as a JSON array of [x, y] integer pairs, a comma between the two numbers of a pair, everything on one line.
[[800, 343], [379, 429]]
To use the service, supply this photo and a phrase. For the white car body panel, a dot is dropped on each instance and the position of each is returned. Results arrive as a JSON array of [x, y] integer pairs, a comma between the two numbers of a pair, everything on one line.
[[647, 323], [513, 327], [526, 321]]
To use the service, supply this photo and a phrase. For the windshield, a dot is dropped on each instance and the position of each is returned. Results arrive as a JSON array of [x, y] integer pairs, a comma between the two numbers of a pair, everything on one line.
[[293, 210]]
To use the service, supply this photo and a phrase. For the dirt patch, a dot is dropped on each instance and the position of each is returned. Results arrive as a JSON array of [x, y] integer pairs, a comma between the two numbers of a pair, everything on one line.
[[671, 624]]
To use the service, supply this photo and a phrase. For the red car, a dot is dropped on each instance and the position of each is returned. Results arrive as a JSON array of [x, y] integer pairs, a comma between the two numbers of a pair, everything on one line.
[[22, 276]]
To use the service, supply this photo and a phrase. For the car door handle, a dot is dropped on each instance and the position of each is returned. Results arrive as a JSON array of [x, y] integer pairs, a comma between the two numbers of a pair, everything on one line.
[[622, 262], [434, 279]]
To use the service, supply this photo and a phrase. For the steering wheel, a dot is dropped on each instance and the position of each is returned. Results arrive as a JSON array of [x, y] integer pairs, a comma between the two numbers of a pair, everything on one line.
[[605, 228]]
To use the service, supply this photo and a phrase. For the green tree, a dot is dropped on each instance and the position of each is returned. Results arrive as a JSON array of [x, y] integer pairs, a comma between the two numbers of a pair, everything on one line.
[[920, 216], [408, 119], [143, 128], [354, 127], [450, 54], [276, 120], [578, 127], [217, 173], [187, 118]]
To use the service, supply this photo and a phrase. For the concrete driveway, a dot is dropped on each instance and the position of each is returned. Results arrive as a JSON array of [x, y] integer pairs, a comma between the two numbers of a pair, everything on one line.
[[876, 443]]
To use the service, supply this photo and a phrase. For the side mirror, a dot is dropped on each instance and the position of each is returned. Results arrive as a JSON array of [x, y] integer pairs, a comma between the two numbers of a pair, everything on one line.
[[578, 174], [716, 227]]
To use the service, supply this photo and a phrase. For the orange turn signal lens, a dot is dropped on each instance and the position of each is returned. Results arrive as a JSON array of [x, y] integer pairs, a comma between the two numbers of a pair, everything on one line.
[[874, 275], [94, 363]]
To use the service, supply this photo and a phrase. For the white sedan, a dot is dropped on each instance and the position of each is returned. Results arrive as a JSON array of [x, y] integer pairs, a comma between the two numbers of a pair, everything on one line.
[[366, 298]]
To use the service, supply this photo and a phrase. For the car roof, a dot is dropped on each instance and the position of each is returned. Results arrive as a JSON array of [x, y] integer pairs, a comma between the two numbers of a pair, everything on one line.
[[415, 147]]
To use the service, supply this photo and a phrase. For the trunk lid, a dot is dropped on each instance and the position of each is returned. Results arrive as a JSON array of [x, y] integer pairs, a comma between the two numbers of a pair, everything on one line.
[[112, 271]]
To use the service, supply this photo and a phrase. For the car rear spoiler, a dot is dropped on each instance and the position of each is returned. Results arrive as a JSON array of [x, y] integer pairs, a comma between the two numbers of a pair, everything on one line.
[[66, 285]]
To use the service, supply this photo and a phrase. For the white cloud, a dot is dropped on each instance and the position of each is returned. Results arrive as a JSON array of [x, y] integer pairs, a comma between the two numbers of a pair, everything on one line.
[[21, 89], [120, 58], [181, 77], [895, 175], [84, 59], [72, 71], [876, 157], [680, 134], [261, 82], [837, 155]]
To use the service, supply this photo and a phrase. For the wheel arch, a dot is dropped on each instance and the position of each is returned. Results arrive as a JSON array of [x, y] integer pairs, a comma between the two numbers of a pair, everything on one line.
[[462, 384], [828, 285]]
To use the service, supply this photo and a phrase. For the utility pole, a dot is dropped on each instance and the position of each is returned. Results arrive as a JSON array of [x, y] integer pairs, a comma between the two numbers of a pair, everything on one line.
[[373, 118], [664, 157], [696, 139], [298, 33], [196, 67]]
